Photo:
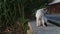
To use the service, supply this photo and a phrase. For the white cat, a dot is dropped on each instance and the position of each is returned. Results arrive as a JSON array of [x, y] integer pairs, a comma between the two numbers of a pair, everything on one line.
[[40, 18]]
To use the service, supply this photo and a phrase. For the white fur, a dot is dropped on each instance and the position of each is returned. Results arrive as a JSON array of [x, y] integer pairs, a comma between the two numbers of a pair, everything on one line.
[[40, 18]]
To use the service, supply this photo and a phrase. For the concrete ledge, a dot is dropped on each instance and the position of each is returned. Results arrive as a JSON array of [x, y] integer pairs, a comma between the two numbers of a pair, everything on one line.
[[57, 23], [30, 31]]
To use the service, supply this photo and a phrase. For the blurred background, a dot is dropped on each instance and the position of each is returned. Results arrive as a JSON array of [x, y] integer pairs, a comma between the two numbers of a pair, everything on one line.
[[15, 14]]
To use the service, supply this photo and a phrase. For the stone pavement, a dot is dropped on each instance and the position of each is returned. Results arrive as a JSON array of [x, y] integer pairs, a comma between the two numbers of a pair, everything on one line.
[[50, 29]]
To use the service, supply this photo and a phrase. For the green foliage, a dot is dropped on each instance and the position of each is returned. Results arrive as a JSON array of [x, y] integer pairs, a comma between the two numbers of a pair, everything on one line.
[[9, 12], [24, 24]]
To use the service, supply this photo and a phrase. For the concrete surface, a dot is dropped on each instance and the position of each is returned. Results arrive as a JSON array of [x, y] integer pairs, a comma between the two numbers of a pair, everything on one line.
[[50, 29]]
